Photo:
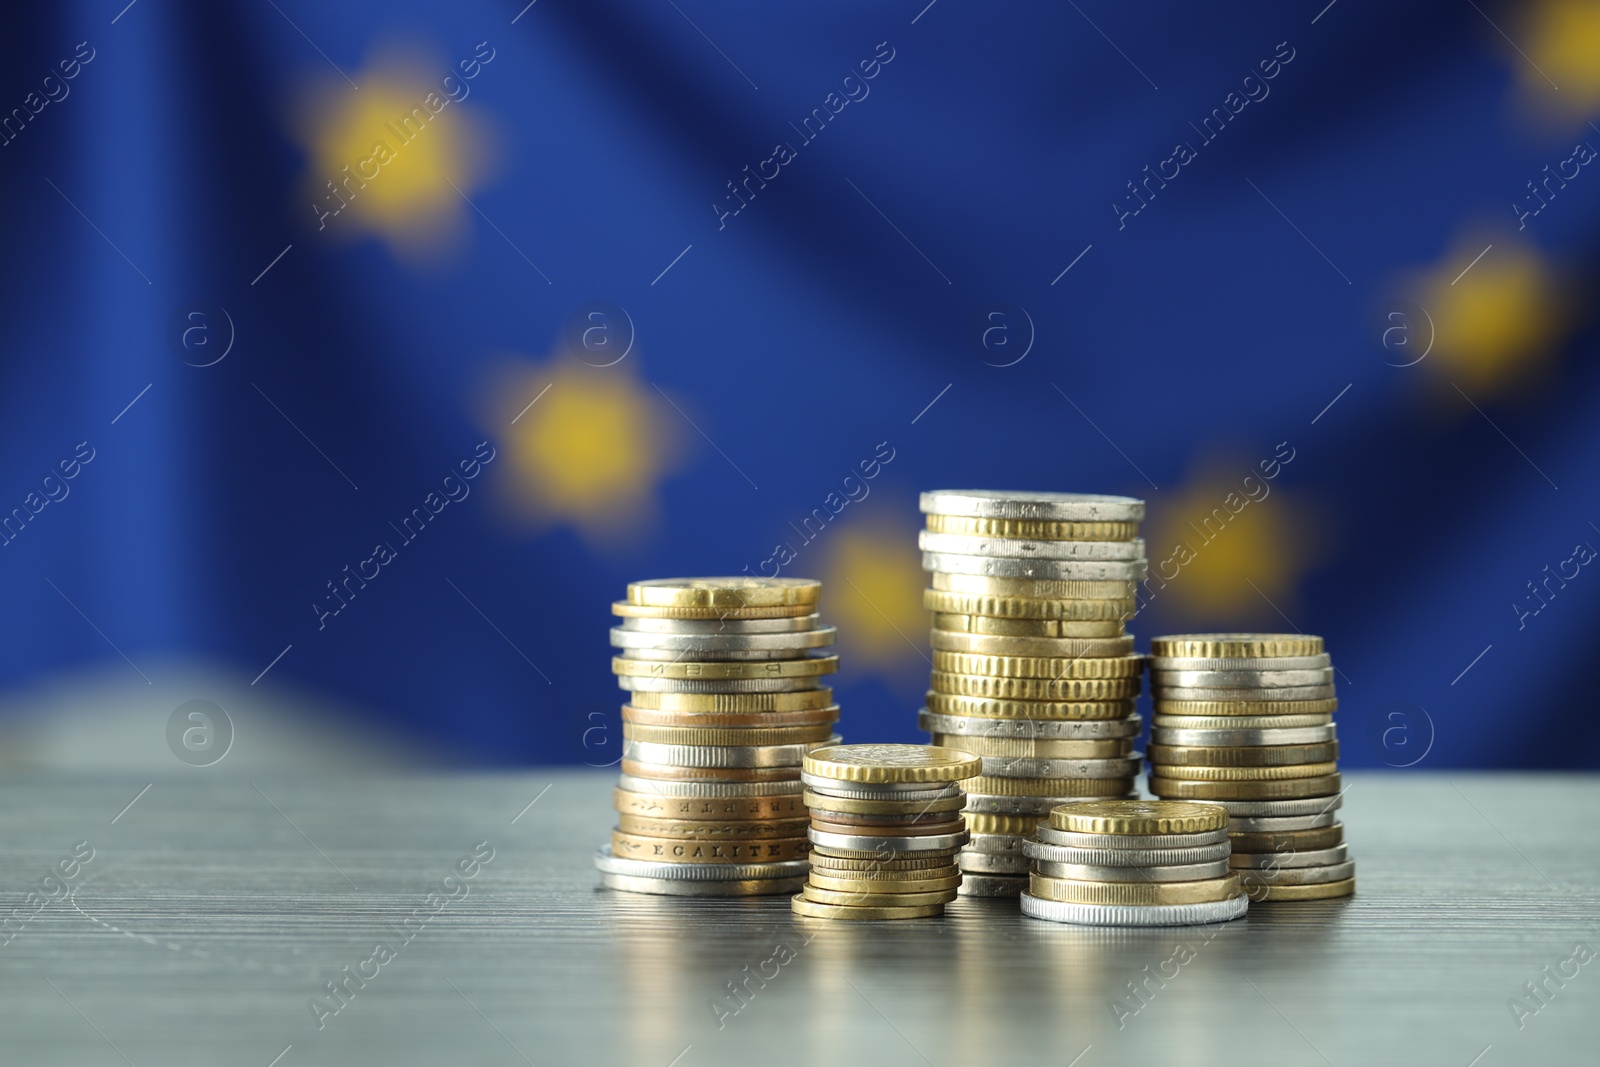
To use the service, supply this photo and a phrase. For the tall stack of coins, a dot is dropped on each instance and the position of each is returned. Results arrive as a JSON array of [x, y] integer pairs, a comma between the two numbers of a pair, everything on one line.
[[1032, 670], [725, 677], [1246, 721], [885, 829], [1133, 863]]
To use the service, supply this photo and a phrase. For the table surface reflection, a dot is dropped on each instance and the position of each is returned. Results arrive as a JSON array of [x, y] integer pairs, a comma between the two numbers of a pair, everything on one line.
[[213, 912]]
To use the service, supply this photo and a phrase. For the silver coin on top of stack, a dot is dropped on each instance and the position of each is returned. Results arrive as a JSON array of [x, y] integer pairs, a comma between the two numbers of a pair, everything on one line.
[[1246, 721], [1033, 671], [727, 697], [1133, 863]]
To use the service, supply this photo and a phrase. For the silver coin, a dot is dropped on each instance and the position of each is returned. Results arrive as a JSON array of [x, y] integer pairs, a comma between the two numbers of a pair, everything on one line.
[[907, 843], [1013, 863], [1134, 914], [997, 844], [1030, 729], [721, 756], [643, 684], [1313, 857], [1049, 569], [648, 655], [991, 885], [907, 791], [1330, 872], [1310, 735], [1296, 692], [1017, 548], [1025, 767], [1049, 835], [1162, 680], [1244, 824], [801, 639], [704, 887], [1083, 872], [709, 790], [1044, 849], [722, 626], [1298, 806], [1169, 721], [990, 804], [1241, 663], [1023, 504], [632, 868]]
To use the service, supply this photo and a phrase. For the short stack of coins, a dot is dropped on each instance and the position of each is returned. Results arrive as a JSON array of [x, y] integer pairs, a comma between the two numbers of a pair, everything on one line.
[[725, 677], [1133, 863], [1246, 721], [1032, 669], [885, 829]]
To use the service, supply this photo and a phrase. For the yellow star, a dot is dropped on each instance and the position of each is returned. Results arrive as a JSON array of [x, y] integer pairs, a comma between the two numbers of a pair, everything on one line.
[[586, 445], [396, 157], [1561, 39], [874, 580], [1225, 546], [1499, 321]]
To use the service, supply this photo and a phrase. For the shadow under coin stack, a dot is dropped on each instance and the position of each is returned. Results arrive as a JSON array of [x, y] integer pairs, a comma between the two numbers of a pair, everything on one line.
[[1246, 721], [1032, 670], [726, 699], [885, 829], [1133, 863]]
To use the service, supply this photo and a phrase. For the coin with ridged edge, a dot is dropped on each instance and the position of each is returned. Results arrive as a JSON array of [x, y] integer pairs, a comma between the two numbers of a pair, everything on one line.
[[878, 843], [1099, 788], [702, 887], [1036, 747], [1035, 657], [891, 763], [861, 806], [1117, 608], [1002, 710], [991, 885], [942, 884], [895, 899], [1050, 628], [1279, 823], [708, 776], [747, 808], [723, 756], [723, 627], [1128, 857], [1321, 857], [1139, 817], [1039, 806], [1135, 914], [605, 861], [735, 703], [706, 790], [1266, 808], [1057, 590], [712, 670], [1294, 840], [1033, 529], [823, 858], [1003, 863], [1327, 891], [810, 909], [734, 592], [734, 720], [1160, 694], [982, 823], [668, 850], [758, 736], [639, 611], [719, 644], [1281, 789], [1242, 755], [1240, 663], [1135, 893], [1173, 872], [1018, 548], [711, 830], [1229, 646], [1095, 691], [1129, 842], [1031, 505], [1019, 767], [1122, 729], [1320, 875], [1188, 773], [1049, 569], [726, 686]]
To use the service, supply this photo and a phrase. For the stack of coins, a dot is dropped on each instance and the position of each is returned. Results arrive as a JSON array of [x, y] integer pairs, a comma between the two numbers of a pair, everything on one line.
[[1133, 863], [1032, 670], [1246, 721], [885, 829], [725, 677]]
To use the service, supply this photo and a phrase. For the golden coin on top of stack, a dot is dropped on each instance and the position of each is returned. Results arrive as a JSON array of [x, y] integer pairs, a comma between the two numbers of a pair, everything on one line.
[[1133, 863], [885, 829], [1246, 721], [725, 677], [1032, 670]]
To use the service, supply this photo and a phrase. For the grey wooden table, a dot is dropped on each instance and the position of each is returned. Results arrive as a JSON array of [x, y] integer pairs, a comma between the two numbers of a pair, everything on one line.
[[212, 914]]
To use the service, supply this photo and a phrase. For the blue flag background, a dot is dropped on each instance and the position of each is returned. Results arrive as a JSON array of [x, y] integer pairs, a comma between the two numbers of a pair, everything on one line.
[[392, 340]]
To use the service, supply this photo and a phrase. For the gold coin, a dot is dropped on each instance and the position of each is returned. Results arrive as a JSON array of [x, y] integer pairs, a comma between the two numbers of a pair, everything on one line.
[[743, 830], [1049, 667], [1036, 648], [1036, 748], [1033, 588], [946, 823], [735, 703], [1288, 840], [726, 735], [1235, 646], [1019, 608], [663, 772], [855, 806], [1070, 690], [1241, 755], [730, 719], [1190, 773], [1216, 708], [891, 763], [979, 822], [984, 624], [811, 909], [890, 864], [639, 611], [1320, 891], [710, 809], [888, 899], [735, 592], [1033, 529], [993, 708], [985, 785], [1135, 893], [886, 885], [711, 670], [667, 850], [1284, 789], [1143, 817]]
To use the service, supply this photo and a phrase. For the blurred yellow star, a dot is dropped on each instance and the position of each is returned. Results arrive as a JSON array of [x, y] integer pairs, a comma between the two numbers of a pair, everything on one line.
[[874, 581], [585, 445], [1561, 42], [1496, 320]]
